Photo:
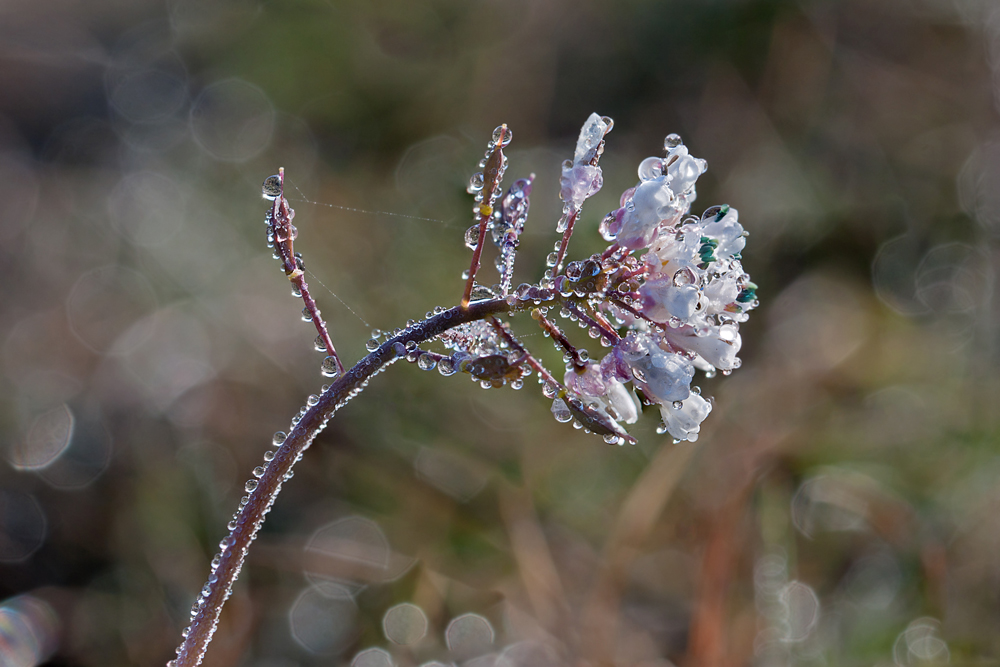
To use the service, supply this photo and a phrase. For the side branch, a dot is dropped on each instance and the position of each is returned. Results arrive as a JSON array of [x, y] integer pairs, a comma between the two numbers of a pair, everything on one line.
[[227, 565], [281, 235]]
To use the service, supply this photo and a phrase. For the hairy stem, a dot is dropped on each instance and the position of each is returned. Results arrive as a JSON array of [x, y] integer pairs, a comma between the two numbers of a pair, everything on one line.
[[205, 613]]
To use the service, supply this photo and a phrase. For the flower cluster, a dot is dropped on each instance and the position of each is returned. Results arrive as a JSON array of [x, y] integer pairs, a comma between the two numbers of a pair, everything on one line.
[[667, 296], [690, 295]]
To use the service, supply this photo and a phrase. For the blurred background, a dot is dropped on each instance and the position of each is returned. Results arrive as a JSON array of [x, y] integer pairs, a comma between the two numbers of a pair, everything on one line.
[[841, 506]]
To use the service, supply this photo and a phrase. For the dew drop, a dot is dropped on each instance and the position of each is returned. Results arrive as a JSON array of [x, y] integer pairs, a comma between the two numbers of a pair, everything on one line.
[[500, 132], [328, 369], [446, 366], [650, 168], [671, 141], [371, 345], [306, 315], [683, 277], [476, 183], [271, 189], [269, 456], [250, 485], [279, 438], [471, 239], [258, 471], [561, 411], [426, 362], [319, 344], [612, 439]]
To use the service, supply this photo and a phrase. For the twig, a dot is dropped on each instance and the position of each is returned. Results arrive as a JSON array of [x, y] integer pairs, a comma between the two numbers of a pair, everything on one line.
[[492, 174], [281, 234], [205, 613]]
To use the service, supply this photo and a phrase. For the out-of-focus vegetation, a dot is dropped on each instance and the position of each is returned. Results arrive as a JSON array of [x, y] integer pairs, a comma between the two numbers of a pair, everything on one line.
[[840, 507]]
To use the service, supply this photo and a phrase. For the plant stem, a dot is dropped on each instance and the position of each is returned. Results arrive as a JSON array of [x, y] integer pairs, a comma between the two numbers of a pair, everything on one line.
[[205, 613]]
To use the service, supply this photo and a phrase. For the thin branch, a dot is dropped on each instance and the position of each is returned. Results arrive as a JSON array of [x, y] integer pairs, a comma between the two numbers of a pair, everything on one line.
[[492, 175], [205, 613], [560, 338], [281, 234]]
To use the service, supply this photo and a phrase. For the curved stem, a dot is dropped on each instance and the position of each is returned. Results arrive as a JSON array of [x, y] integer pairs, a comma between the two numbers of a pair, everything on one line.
[[227, 566]]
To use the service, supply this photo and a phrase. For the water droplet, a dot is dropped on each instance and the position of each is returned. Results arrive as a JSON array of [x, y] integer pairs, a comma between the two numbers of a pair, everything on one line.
[[612, 439], [258, 471], [650, 168], [426, 362], [471, 239], [551, 259], [476, 183], [312, 400], [671, 141], [306, 315], [250, 485], [683, 277], [272, 187], [296, 292], [446, 366], [319, 344], [279, 438], [507, 136], [269, 455], [329, 369], [371, 345]]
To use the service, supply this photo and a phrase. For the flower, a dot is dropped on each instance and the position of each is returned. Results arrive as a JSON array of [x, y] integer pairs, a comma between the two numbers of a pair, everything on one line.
[[684, 422], [664, 376]]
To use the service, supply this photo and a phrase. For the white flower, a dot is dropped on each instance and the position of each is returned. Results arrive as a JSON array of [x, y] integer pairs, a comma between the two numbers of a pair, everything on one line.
[[675, 250], [683, 169], [725, 228], [663, 300], [718, 347], [665, 376], [684, 423], [604, 393], [649, 205]]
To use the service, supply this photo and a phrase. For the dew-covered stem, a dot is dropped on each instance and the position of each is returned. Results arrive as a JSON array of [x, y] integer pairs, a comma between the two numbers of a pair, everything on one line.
[[559, 337], [250, 516], [281, 235], [526, 356], [489, 187]]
